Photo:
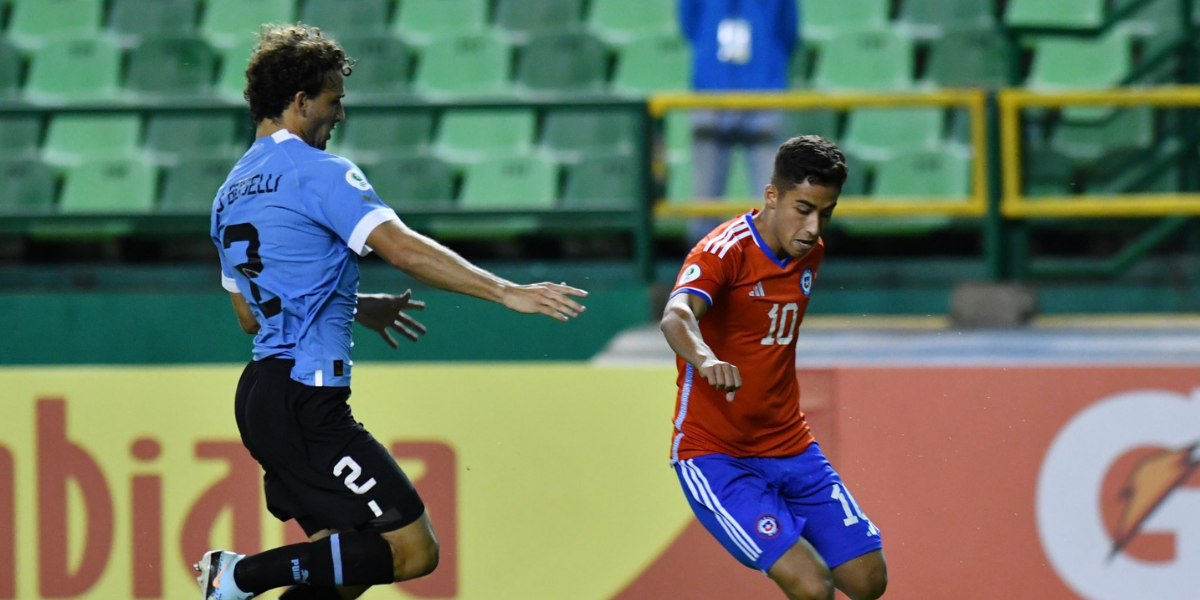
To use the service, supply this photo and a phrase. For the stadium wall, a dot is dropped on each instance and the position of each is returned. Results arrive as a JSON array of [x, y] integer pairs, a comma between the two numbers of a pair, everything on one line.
[[550, 481]]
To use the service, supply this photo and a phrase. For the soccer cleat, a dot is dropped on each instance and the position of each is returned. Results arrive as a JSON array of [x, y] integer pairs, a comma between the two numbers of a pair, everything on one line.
[[216, 576]]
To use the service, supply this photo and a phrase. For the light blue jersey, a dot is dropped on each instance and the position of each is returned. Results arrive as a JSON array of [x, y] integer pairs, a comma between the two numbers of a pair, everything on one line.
[[290, 223]]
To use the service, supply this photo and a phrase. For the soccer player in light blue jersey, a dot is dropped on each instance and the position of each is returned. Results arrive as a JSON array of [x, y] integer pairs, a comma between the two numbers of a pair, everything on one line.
[[290, 224]]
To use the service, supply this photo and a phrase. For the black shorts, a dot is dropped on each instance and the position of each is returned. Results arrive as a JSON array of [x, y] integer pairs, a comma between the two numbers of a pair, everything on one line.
[[322, 467]]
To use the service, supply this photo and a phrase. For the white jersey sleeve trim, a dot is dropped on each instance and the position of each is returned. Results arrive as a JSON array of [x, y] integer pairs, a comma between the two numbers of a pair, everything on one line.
[[373, 219], [229, 284]]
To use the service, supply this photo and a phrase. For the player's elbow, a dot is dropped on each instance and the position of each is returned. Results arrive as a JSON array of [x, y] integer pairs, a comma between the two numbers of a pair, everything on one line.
[[249, 326]]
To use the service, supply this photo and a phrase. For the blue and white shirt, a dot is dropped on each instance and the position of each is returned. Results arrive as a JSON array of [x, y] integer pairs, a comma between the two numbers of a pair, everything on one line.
[[290, 223]]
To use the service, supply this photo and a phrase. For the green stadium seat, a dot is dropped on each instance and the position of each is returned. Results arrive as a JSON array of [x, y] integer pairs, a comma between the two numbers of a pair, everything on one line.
[[1127, 129], [110, 186], [73, 138], [679, 180], [737, 178], [467, 135], [371, 137], [866, 60], [606, 181], [878, 133], [1047, 172], [523, 18], [345, 18], [191, 186], [29, 186], [944, 173], [133, 20], [20, 136], [677, 134], [231, 78], [171, 138], [1081, 64], [86, 69], [463, 65], [384, 65], [229, 23], [414, 182], [572, 134], [422, 21], [513, 182], [33, 22], [562, 62], [1079, 14], [171, 67], [10, 71], [653, 63], [619, 21], [930, 19], [859, 175], [823, 19], [816, 121], [970, 58]]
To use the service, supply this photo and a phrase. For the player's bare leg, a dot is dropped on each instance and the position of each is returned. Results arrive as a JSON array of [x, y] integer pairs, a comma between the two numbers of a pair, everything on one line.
[[802, 574], [862, 578]]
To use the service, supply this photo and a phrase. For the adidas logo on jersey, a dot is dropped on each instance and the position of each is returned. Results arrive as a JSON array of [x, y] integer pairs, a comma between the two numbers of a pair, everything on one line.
[[757, 292]]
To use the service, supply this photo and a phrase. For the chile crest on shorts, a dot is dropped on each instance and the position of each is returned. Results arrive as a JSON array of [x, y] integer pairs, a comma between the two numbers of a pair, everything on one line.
[[767, 527]]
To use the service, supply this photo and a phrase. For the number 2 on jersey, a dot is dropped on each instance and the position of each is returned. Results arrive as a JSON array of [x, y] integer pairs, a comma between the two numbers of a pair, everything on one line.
[[783, 324], [252, 268]]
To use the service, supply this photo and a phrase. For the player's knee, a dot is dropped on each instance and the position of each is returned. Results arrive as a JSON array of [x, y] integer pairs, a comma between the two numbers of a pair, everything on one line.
[[811, 586], [870, 586]]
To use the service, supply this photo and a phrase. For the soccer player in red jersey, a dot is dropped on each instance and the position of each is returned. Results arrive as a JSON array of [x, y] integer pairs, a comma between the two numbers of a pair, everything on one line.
[[747, 463]]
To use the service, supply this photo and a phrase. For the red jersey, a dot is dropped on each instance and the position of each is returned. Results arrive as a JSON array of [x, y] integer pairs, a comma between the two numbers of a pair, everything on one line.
[[756, 303]]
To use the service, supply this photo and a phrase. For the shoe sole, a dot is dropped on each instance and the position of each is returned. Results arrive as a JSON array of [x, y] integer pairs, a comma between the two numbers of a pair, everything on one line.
[[206, 567]]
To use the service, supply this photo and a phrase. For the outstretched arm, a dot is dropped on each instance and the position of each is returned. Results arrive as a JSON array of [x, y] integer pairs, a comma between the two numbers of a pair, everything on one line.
[[437, 265], [681, 326]]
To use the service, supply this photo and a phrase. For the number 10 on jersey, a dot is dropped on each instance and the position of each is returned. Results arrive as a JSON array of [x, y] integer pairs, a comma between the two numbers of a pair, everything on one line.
[[784, 322]]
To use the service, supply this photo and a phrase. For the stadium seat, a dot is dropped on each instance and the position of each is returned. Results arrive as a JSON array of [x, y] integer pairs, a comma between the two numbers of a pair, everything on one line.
[[1127, 129], [467, 135], [229, 23], [1047, 172], [34, 21], [1081, 64], [173, 137], [944, 173], [823, 20], [180, 67], [371, 137], [513, 182], [133, 20], [523, 18], [605, 181], [29, 186], [679, 180], [562, 62], [930, 19], [231, 79], [816, 121], [461, 65], [1080, 14], [866, 60], [677, 134], [422, 21], [653, 63], [572, 134], [383, 68], [618, 21], [345, 18], [81, 70], [414, 182], [74, 138], [192, 185], [970, 58], [878, 133], [109, 186], [10, 71], [20, 136]]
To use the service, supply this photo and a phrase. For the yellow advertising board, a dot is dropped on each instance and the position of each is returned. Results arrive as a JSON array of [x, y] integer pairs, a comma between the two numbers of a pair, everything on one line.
[[543, 481]]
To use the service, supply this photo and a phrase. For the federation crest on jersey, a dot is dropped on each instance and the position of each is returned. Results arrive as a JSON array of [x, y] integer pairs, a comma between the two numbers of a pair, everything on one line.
[[356, 178], [806, 281], [767, 527], [690, 274]]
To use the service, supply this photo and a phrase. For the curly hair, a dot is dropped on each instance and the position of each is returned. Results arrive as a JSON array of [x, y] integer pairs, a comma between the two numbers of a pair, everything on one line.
[[290, 59], [810, 158]]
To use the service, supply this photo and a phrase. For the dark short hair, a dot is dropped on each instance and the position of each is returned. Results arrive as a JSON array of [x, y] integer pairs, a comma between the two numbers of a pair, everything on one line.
[[290, 59], [810, 158]]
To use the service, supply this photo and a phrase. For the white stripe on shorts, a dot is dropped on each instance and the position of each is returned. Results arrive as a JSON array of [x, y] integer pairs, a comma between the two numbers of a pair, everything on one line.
[[703, 494]]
